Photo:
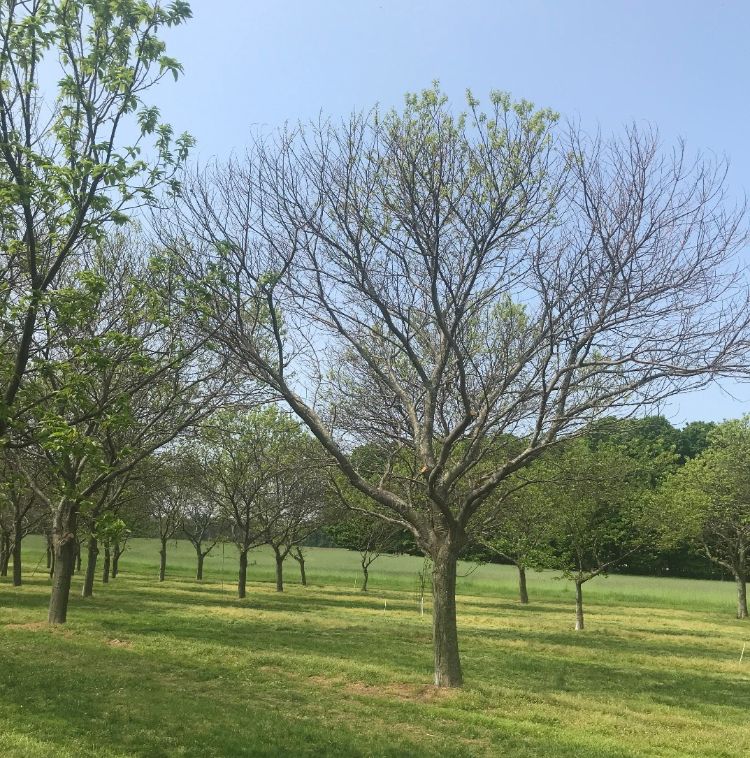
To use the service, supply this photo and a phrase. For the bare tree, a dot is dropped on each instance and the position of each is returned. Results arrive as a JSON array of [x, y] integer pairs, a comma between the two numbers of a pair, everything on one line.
[[170, 501], [432, 283]]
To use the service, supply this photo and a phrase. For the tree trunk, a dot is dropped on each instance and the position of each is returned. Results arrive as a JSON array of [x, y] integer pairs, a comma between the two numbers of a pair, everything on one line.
[[302, 575], [242, 582], [64, 541], [523, 594], [49, 551], [4, 554], [88, 582], [163, 560], [52, 559], [279, 573], [17, 539], [579, 606], [444, 630], [77, 555], [116, 553], [107, 563], [741, 596], [199, 569], [365, 576]]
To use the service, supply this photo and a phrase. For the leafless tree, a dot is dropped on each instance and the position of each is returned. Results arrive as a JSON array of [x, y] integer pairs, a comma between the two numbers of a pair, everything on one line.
[[434, 283]]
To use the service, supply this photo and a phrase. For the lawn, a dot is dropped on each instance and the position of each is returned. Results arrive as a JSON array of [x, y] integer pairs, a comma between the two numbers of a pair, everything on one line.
[[186, 669]]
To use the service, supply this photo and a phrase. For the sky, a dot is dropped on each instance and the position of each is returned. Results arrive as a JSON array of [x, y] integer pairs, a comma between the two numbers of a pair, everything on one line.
[[680, 65]]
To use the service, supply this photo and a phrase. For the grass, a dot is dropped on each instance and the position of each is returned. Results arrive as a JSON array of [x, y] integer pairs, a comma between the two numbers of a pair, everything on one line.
[[185, 669]]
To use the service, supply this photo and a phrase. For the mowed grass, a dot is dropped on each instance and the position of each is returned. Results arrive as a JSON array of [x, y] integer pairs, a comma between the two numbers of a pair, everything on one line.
[[186, 669]]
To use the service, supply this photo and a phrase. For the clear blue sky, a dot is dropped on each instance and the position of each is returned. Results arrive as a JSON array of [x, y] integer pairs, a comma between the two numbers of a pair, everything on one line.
[[682, 65]]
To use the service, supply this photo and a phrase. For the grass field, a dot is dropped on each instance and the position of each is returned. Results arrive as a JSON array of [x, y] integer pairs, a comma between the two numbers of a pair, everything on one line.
[[185, 669]]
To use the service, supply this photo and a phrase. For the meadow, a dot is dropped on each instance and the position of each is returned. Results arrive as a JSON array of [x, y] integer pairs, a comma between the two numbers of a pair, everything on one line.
[[184, 668]]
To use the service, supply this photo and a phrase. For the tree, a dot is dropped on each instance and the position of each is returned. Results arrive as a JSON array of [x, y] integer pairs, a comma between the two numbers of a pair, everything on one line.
[[169, 503], [292, 504], [67, 173], [298, 554], [20, 513], [242, 454], [603, 512], [369, 536], [431, 283], [694, 439], [711, 494], [202, 525], [119, 378], [519, 528]]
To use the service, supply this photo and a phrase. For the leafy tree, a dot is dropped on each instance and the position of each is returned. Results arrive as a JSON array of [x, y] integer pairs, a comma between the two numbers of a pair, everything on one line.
[[119, 378], [20, 511], [431, 283], [694, 439], [78, 157], [201, 524], [711, 494], [519, 528], [292, 504], [604, 512], [244, 455], [369, 536]]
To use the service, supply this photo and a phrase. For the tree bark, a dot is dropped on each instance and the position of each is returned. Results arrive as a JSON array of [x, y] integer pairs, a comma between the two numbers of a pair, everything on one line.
[[77, 555], [49, 551], [4, 554], [365, 576], [242, 581], [64, 541], [88, 581], [17, 538], [163, 560], [279, 573], [199, 569], [523, 594], [741, 596], [444, 630], [116, 553], [302, 574], [579, 606], [107, 563]]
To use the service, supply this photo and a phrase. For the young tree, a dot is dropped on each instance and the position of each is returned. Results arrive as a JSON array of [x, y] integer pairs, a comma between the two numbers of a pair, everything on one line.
[[518, 524], [711, 494], [369, 536], [603, 512], [201, 524], [168, 505], [243, 454], [298, 554], [432, 283], [20, 512], [67, 172]]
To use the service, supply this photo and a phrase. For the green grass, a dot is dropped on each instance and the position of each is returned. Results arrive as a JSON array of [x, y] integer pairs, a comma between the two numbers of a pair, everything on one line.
[[185, 669]]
